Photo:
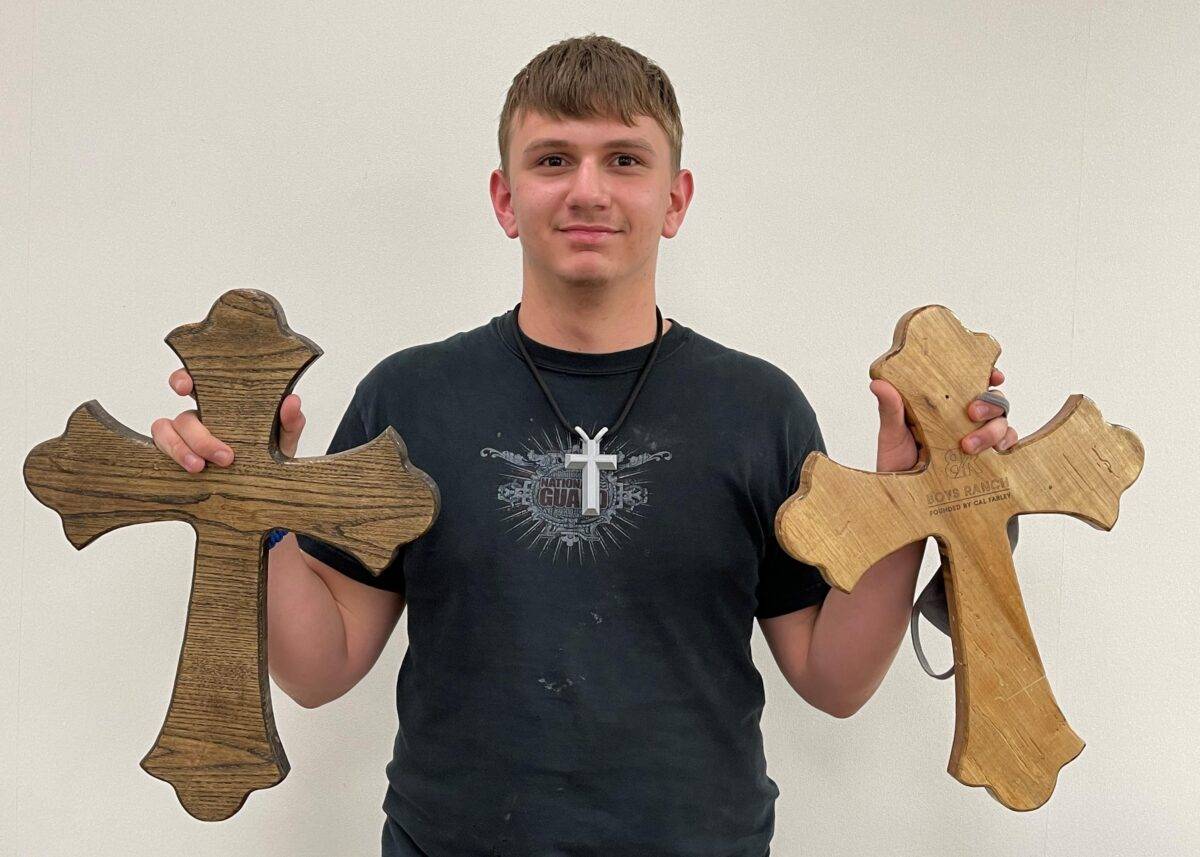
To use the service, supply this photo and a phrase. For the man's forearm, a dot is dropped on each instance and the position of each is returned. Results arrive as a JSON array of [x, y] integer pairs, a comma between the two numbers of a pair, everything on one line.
[[856, 636], [306, 637]]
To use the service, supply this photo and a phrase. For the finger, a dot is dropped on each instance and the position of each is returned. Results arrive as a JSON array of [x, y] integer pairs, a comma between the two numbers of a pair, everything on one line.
[[181, 382], [201, 440], [1010, 437], [986, 437], [979, 410], [997, 377], [171, 444]]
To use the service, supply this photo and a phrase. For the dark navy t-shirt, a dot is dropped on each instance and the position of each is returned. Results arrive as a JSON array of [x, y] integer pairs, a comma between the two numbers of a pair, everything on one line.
[[583, 685]]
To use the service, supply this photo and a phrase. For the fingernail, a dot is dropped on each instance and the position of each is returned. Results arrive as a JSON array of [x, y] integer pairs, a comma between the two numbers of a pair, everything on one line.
[[177, 384], [223, 457], [190, 461], [972, 445]]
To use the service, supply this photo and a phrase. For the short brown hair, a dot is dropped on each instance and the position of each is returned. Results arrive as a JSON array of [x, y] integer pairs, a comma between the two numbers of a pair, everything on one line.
[[592, 76]]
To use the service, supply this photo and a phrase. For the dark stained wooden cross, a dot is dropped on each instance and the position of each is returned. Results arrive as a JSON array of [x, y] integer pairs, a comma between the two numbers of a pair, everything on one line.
[[218, 742], [1009, 734]]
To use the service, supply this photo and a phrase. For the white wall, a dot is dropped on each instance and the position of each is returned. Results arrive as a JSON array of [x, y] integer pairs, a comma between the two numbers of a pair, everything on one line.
[[1034, 166]]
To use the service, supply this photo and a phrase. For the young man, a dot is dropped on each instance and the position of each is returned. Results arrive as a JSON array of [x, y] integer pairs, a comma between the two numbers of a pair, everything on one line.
[[579, 676]]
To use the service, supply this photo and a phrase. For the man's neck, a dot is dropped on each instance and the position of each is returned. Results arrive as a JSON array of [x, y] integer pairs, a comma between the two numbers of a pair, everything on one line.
[[589, 323]]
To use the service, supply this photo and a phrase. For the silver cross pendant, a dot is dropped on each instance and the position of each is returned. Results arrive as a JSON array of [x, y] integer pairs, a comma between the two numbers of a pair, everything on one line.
[[591, 462]]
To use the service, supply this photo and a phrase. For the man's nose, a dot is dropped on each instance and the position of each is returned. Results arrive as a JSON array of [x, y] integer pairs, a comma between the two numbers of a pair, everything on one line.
[[589, 185]]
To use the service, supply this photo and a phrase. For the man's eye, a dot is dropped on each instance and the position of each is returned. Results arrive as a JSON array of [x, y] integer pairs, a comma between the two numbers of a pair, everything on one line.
[[560, 157]]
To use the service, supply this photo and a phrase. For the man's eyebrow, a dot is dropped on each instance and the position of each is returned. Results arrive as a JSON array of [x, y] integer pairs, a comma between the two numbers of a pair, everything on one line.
[[627, 143]]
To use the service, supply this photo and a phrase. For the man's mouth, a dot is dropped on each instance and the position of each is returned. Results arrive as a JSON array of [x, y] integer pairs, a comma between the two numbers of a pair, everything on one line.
[[588, 236]]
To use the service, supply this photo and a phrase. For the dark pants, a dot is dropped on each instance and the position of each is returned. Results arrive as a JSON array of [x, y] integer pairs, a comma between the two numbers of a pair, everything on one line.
[[396, 843]]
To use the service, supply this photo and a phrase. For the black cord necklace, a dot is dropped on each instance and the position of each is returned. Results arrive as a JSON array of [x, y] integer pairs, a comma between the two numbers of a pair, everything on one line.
[[591, 462]]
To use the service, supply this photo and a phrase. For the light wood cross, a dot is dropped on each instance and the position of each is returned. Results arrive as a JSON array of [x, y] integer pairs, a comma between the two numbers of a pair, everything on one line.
[[1009, 735], [218, 742]]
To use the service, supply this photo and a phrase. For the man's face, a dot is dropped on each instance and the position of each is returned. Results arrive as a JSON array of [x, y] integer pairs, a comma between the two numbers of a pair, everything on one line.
[[590, 172]]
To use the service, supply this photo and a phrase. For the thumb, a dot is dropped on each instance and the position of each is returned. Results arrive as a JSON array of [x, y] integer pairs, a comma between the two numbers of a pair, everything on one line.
[[291, 423], [891, 407]]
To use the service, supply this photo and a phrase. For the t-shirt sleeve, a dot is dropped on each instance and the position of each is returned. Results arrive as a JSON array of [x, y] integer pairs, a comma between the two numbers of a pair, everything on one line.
[[784, 583], [352, 432]]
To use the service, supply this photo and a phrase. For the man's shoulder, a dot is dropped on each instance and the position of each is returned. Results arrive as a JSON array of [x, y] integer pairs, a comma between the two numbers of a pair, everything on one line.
[[763, 400], [433, 361], [755, 377]]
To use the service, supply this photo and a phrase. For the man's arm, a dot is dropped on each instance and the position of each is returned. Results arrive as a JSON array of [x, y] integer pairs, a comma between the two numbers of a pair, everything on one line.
[[835, 655], [324, 630]]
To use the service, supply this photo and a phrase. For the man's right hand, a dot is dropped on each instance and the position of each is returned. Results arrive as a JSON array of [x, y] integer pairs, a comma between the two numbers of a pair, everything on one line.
[[191, 445], [324, 630]]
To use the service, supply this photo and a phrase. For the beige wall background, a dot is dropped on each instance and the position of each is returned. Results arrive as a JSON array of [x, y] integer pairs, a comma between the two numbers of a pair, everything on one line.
[[1034, 166]]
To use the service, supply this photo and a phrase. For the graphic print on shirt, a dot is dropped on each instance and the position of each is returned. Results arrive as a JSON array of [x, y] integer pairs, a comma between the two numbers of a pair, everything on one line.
[[542, 498]]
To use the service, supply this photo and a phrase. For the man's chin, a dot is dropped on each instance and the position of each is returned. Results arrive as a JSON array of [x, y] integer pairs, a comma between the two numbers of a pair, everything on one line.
[[587, 283], [585, 276]]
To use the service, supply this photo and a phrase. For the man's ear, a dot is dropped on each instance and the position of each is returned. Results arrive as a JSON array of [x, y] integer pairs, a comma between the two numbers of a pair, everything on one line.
[[501, 194], [682, 188]]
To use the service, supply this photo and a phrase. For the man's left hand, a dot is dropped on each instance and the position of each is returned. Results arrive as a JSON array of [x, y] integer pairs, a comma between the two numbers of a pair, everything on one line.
[[897, 448]]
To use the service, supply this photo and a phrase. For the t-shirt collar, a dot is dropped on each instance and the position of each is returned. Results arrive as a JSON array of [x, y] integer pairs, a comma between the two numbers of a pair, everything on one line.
[[577, 362]]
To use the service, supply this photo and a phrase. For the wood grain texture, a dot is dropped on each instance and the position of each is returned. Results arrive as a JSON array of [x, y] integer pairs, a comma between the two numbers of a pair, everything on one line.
[[218, 742], [1010, 736]]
